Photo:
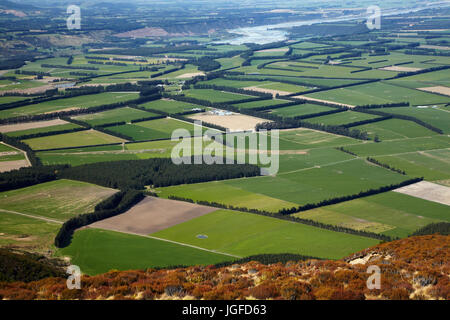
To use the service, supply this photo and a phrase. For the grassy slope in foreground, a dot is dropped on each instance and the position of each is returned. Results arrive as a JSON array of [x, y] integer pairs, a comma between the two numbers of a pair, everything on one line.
[[98, 251], [246, 234]]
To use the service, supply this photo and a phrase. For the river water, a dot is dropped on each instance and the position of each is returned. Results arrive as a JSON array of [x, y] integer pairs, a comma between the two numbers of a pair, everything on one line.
[[277, 32]]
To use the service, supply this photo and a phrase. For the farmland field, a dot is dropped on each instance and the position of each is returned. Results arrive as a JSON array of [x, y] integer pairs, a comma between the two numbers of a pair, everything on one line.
[[153, 129], [215, 95], [378, 93], [434, 116], [300, 110], [98, 251], [74, 139], [81, 102], [389, 213], [301, 186], [247, 234], [169, 106], [342, 118], [60, 199], [27, 233], [122, 114], [395, 129]]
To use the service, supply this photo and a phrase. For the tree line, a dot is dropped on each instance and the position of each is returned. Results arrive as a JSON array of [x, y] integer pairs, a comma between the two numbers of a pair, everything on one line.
[[113, 206], [158, 172]]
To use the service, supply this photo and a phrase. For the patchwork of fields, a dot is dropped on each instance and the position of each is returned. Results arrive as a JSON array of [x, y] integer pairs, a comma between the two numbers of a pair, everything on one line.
[[354, 123]]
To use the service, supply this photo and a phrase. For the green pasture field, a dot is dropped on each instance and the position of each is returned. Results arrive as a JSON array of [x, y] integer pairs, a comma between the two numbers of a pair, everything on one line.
[[301, 139], [153, 129], [436, 117], [132, 151], [300, 110], [309, 45], [325, 71], [99, 251], [395, 129], [286, 87], [389, 213], [301, 186], [342, 118], [59, 127], [260, 103], [116, 115], [6, 148], [247, 234], [59, 200], [404, 146], [22, 84], [215, 95], [233, 83], [169, 106], [4, 100], [378, 93], [73, 139], [227, 63], [418, 61], [433, 165], [429, 79], [12, 157], [81, 102], [313, 82], [311, 158], [27, 233]]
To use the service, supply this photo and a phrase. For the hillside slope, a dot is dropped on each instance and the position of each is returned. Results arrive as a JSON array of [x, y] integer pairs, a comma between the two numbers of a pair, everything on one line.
[[412, 268]]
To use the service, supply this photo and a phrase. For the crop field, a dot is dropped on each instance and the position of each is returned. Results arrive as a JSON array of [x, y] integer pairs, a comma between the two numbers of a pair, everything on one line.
[[111, 116], [26, 233], [98, 251], [153, 129], [60, 199], [429, 79], [81, 102], [395, 129], [247, 234], [300, 186], [342, 118], [73, 139], [215, 95], [300, 139], [378, 93], [390, 213], [261, 103], [434, 116], [169, 106], [300, 110], [433, 165], [397, 147], [131, 151], [49, 129]]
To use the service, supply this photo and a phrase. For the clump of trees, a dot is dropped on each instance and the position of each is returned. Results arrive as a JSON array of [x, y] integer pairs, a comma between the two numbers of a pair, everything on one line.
[[137, 174], [442, 228]]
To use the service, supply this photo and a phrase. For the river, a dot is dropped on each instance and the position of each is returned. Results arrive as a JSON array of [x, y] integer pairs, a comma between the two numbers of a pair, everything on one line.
[[278, 32]]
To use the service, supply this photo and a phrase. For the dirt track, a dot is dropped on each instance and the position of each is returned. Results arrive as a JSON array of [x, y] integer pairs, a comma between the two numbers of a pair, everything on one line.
[[152, 215]]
